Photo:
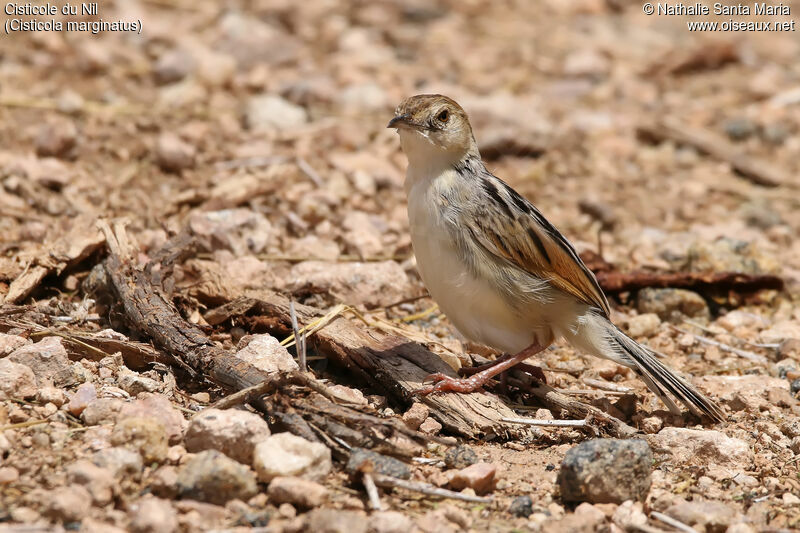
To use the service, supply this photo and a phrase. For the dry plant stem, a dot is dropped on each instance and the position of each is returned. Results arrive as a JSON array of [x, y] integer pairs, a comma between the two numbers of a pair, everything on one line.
[[604, 385], [547, 423], [672, 522], [372, 492], [757, 170], [424, 488], [724, 347]]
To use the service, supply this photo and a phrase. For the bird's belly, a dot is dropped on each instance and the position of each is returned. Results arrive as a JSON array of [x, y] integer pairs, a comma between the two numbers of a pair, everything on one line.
[[474, 307]]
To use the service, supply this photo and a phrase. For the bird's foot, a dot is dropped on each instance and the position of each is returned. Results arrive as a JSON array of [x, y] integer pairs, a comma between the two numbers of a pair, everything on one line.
[[443, 383], [536, 372]]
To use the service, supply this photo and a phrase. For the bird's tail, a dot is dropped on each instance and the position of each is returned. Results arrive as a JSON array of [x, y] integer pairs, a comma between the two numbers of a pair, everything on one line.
[[600, 337]]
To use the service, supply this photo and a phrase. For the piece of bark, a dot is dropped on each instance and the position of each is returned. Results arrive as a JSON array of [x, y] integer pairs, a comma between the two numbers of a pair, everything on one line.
[[394, 364], [757, 170]]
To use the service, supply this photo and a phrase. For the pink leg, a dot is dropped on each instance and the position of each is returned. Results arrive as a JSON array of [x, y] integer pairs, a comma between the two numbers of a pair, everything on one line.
[[534, 371], [444, 383]]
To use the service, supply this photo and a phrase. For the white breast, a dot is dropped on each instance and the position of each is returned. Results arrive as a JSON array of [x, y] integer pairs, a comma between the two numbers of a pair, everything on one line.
[[478, 311]]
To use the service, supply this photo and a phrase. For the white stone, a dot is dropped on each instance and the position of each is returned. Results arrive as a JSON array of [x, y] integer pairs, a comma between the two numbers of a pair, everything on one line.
[[232, 431], [266, 353], [288, 455]]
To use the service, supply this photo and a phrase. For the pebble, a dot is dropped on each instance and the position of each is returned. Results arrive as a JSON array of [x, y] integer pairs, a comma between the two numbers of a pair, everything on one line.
[[10, 343], [651, 424], [172, 66], [173, 154], [67, 504], [630, 516], [270, 112], [430, 427], [121, 462], [460, 457], [480, 477], [323, 520], [667, 302], [52, 395], [133, 383], [390, 522], [48, 359], [57, 138], [362, 460], [159, 407], [288, 455], [164, 482], [85, 395], [644, 325], [98, 481], [102, 411], [416, 415], [740, 128], [299, 492], [708, 516], [348, 394], [606, 471], [234, 432], [521, 506], [265, 353], [8, 474], [212, 477], [152, 515], [701, 446], [16, 380], [145, 435]]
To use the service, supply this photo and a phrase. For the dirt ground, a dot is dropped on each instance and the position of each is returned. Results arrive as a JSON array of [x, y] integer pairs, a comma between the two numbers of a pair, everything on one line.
[[260, 126]]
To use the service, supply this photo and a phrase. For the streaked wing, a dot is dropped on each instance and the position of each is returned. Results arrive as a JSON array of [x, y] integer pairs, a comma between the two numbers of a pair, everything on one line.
[[513, 229]]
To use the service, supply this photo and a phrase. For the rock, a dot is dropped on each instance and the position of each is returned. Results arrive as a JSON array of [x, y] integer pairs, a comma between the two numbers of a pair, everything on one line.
[[85, 395], [606, 471], [152, 515], [232, 431], [521, 506], [57, 138], [366, 97], [48, 359], [98, 481], [270, 112], [288, 455], [215, 69], [736, 319], [644, 325], [740, 128], [102, 411], [16, 380], [8, 475], [713, 517], [242, 231], [209, 516], [629, 516], [781, 331], [362, 460], [700, 446], [266, 353], [173, 154], [67, 504], [416, 415], [390, 522], [460, 457], [430, 426], [667, 302], [333, 521], [172, 66], [164, 482], [10, 343], [212, 477], [373, 284], [651, 424], [92, 525], [348, 394], [52, 395], [362, 234], [299, 492], [133, 383], [158, 407], [144, 435], [121, 462], [480, 477], [730, 255]]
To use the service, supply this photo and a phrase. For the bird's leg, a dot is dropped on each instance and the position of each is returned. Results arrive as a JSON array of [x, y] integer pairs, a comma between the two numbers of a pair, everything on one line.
[[534, 371], [444, 383]]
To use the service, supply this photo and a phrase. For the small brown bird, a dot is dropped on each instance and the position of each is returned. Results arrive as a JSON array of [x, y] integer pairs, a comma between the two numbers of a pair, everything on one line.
[[502, 274]]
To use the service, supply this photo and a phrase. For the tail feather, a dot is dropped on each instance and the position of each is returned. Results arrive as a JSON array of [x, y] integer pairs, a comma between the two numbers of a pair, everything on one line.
[[659, 378]]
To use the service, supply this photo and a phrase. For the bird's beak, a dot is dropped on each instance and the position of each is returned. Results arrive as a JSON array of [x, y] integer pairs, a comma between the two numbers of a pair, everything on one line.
[[401, 121]]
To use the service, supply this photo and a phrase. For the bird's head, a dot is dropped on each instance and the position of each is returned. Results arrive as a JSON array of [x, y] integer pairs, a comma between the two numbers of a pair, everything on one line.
[[432, 128]]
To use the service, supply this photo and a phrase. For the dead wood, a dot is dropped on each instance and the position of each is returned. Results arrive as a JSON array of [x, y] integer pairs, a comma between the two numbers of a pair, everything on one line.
[[755, 169], [149, 311], [391, 363]]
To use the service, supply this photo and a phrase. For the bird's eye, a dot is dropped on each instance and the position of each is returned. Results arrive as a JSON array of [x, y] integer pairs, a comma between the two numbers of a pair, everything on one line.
[[443, 116]]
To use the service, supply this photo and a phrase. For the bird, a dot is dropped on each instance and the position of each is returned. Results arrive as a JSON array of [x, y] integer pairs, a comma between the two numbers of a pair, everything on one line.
[[499, 270]]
